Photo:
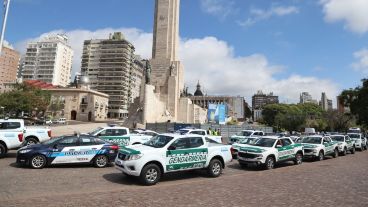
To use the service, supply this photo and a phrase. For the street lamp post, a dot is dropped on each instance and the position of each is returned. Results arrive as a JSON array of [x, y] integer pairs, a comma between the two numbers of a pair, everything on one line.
[[6, 11]]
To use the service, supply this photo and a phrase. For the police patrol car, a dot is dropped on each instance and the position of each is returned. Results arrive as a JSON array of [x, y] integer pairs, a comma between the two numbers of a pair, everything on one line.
[[318, 147], [120, 135], [170, 153], [344, 143], [68, 149], [270, 150]]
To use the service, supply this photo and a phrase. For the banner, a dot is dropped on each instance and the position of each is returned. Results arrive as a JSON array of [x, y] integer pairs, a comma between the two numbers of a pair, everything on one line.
[[217, 113]]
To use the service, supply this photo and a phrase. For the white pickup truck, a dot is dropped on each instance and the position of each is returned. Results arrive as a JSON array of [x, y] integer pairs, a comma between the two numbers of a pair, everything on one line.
[[13, 134], [267, 151], [319, 146], [344, 143], [120, 135], [201, 132], [170, 153], [245, 134]]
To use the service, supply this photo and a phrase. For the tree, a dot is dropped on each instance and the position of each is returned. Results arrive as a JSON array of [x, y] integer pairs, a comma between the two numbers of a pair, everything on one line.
[[357, 100], [24, 98]]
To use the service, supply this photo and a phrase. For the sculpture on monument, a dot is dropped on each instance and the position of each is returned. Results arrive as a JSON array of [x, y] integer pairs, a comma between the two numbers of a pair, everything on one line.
[[172, 69], [148, 72]]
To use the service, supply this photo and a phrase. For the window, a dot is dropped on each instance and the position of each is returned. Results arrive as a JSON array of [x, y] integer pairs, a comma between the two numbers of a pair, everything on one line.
[[72, 141], [11, 125], [120, 132], [107, 132], [182, 143], [86, 141], [2, 125], [196, 142], [286, 142], [198, 132]]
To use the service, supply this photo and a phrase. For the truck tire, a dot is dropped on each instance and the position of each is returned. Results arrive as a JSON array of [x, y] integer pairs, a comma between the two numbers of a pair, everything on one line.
[[31, 141], [2, 150], [214, 168], [38, 162], [150, 174], [321, 156], [270, 163], [352, 151], [100, 161], [344, 152], [336, 153], [298, 159]]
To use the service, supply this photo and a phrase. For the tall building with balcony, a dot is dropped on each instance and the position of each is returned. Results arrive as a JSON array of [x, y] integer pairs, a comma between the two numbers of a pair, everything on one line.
[[9, 61], [260, 99], [49, 60], [305, 97], [112, 68]]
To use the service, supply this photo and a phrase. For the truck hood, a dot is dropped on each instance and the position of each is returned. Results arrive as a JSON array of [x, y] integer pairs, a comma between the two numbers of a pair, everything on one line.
[[238, 146], [254, 149], [307, 145], [136, 149]]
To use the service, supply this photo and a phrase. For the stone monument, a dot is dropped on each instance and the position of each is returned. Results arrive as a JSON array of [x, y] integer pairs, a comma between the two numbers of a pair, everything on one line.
[[161, 100]]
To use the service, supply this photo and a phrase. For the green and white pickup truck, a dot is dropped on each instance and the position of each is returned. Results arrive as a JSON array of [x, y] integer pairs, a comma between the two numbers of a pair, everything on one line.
[[359, 141], [268, 151], [344, 144], [244, 143], [119, 135], [238, 138], [319, 146], [166, 153]]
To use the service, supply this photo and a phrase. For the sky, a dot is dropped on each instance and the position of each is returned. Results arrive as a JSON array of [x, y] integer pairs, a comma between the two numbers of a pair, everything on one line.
[[233, 47]]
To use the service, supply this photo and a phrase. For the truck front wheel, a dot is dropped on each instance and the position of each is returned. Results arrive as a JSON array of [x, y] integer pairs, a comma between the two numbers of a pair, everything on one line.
[[298, 159], [270, 163], [352, 151], [2, 150], [214, 168], [150, 174]]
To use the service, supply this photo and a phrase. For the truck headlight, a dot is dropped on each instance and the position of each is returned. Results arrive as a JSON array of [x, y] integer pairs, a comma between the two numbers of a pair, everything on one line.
[[259, 156], [133, 157], [24, 151], [314, 150]]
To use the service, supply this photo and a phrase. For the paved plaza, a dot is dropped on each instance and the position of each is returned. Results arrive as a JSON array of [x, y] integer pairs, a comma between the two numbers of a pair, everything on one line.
[[332, 182]]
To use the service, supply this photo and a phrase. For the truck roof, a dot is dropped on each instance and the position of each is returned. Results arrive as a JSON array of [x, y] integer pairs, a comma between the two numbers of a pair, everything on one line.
[[181, 136]]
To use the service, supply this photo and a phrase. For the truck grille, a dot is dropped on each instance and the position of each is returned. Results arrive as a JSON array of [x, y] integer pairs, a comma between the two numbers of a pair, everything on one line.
[[247, 155], [308, 150]]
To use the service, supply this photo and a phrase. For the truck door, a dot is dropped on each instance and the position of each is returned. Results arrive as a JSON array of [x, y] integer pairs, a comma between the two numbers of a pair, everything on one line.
[[329, 146], [287, 150], [186, 153]]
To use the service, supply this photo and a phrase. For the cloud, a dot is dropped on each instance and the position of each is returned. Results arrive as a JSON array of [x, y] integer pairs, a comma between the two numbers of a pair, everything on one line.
[[362, 61], [213, 62], [257, 15], [219, 8], [354, 13]]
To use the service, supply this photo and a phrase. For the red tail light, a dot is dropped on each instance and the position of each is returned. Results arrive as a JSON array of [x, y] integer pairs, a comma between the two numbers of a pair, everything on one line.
[[20, 137], [232, 150], [49, 133], [114, 147]]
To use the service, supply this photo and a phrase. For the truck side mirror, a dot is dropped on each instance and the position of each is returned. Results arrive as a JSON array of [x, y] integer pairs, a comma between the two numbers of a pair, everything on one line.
[[171, 147]]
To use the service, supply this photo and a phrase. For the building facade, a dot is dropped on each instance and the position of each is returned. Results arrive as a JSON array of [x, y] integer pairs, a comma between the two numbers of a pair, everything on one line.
[[235, 104], [260, 99], [80, 104], [49, 60], [9, 61], [305, 97], [112, 68]]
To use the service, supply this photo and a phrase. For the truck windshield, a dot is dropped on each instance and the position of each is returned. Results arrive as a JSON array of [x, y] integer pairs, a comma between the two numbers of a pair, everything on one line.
[[183, 131], [264, 142], [95, 131], [248, 141], [337, 138], [354, 136], [159, 141], [245, 133], [312, 140]]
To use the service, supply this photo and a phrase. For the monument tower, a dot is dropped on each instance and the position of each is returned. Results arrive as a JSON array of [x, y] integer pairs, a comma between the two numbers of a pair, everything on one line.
[[162, 99]]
